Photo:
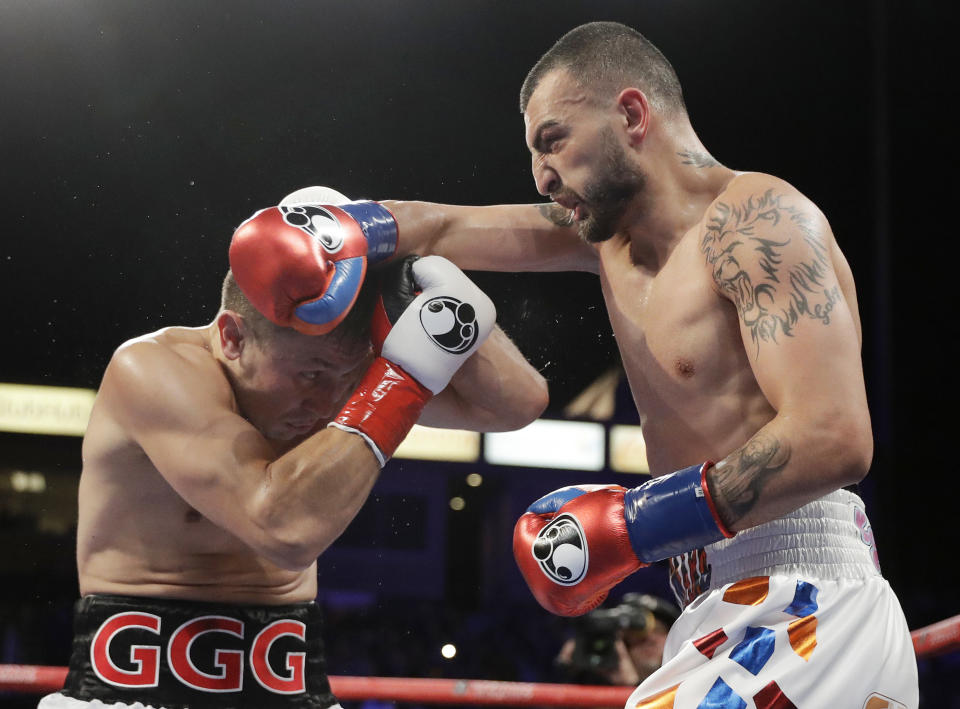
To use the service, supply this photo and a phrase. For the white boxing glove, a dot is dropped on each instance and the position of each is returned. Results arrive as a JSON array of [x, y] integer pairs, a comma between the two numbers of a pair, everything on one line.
[[430, 319]]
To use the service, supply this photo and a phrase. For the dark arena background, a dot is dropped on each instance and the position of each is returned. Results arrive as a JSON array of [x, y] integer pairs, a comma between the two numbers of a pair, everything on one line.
[[135, 136]]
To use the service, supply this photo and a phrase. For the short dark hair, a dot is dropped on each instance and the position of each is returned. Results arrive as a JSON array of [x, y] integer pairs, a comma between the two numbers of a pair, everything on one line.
[[609, 57], [355, 326]]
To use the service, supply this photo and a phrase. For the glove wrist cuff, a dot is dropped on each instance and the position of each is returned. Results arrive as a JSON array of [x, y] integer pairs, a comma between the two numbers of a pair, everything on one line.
[[672, 514], [383, 408], [378, 225]]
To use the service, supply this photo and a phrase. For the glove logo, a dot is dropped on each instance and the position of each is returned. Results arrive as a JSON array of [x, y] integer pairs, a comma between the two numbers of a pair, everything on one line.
[[561, 550], [450, 323], [317, 222]]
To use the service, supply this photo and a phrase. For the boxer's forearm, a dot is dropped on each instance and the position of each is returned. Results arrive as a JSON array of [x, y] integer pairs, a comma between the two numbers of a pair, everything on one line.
[[784, 466], [310, 494], [495, 390], [523, 237]]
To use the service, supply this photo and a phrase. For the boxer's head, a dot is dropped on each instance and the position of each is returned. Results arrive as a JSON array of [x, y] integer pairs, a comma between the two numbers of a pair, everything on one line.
[[287, 383], [587, 104]]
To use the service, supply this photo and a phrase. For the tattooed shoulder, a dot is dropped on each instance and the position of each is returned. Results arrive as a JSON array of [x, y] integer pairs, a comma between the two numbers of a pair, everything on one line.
[[771, 259], [556, 214]]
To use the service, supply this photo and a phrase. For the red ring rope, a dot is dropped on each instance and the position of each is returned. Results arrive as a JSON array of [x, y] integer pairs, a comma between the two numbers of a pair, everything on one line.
[[38, 679]]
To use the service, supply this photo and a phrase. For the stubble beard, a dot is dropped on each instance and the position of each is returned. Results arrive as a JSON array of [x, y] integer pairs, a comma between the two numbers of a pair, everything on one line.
[[610, 193]]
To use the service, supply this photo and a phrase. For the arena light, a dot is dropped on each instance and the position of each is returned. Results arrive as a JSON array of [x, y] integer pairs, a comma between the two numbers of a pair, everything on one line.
[[545, 443], [454, 445], [62, 411], [628, 450], [27, 481]]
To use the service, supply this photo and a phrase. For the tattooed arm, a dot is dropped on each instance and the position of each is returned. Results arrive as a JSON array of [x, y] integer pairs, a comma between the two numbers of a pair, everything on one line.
[[532, 237], [771, 253]]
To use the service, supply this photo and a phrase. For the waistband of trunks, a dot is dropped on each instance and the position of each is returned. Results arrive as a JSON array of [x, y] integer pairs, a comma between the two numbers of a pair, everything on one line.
[[181, 654], [827, 538]]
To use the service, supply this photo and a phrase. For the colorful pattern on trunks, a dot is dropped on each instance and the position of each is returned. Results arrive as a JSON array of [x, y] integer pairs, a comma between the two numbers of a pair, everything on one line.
[[689, 575], [754, 649]]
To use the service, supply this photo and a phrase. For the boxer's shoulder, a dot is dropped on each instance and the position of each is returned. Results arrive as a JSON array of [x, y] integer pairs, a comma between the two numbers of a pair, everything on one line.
[[753, 212], [169, 365], [754, 191]]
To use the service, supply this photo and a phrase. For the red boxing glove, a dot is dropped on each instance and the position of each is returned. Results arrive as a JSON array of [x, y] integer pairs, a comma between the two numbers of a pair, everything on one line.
[[572, 547], [302, 264]]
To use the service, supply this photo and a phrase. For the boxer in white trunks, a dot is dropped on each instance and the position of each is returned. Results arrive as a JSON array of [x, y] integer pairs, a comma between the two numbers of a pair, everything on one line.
[[736, 317]]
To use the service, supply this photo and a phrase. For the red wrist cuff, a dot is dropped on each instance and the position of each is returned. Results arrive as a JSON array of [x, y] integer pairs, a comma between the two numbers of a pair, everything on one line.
[[724, 530], [383, 407]]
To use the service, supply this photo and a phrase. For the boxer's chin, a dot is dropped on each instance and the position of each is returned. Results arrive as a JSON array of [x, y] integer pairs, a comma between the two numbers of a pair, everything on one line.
[[595, 231], [604, 220], [608, 200]]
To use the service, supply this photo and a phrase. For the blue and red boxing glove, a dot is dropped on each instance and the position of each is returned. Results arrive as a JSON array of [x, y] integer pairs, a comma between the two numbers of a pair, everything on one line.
[[302, 262], [578, 542]]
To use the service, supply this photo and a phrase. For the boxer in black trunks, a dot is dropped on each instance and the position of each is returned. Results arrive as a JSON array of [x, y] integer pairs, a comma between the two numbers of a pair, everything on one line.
[[221, 460]]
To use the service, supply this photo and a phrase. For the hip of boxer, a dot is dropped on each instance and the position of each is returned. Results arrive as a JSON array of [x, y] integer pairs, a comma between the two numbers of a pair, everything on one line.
[[829, 538], [793, 612], [175, 654]]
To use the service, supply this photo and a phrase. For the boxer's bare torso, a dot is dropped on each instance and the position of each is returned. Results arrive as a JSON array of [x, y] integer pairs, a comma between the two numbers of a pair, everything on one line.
[[733, 307], [736, 319], [681, 342], [136, 534], [209, 472]]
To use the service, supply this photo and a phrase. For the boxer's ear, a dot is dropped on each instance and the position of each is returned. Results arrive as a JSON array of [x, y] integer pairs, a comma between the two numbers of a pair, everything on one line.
[[635, 110], [230, 326]]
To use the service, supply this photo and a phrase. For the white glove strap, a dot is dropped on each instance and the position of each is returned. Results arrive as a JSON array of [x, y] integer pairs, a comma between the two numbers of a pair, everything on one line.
[[373, 446]]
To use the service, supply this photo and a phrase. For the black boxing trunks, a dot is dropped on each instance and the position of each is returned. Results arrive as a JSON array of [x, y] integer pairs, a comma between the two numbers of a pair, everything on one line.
[[184, 655]]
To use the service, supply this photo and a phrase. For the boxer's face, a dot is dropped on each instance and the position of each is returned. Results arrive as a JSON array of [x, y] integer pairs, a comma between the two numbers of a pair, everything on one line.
[[294, 384], [578, 159]]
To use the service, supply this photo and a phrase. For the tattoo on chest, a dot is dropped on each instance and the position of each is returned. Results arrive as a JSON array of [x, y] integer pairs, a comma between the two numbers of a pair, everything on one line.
[[556, 214], [740, 478], [745, 244]]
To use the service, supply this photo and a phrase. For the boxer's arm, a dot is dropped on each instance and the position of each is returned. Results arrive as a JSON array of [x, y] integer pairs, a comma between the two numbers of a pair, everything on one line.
[[768, 249], [531, 237], [288, 508], [495, 390]]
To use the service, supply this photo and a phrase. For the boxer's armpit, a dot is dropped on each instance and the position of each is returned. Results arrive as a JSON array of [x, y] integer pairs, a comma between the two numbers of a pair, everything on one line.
[[737, 481], [555, 214]]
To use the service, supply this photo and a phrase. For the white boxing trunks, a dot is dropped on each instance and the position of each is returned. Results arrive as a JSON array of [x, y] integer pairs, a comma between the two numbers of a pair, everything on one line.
[[792, 613]]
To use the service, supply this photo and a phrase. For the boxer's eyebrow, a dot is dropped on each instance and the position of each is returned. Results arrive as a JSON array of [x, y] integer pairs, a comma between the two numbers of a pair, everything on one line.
[[537, 143]]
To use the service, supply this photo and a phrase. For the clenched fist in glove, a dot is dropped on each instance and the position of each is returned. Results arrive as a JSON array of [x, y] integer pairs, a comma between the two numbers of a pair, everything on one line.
[[429, 319], [578, 542], [302, 262]]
